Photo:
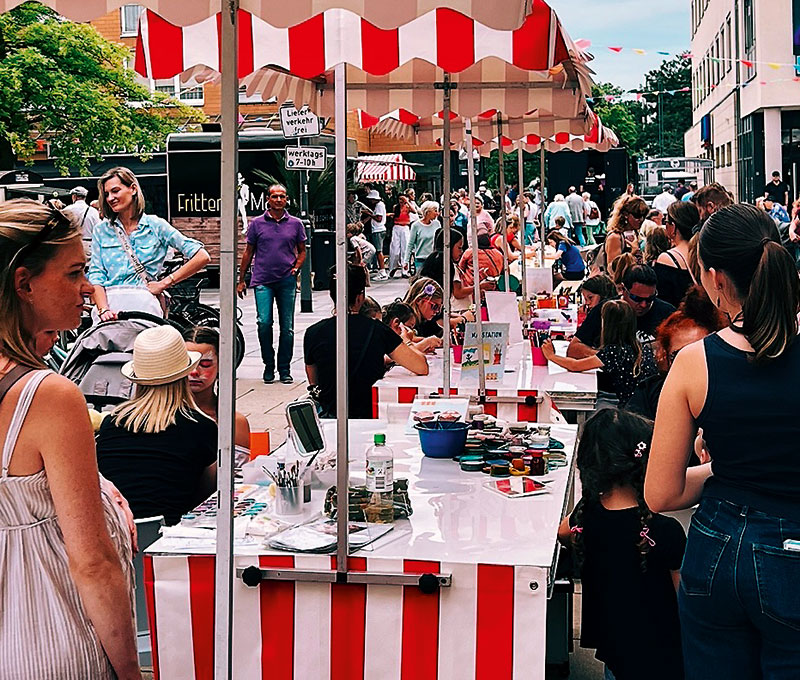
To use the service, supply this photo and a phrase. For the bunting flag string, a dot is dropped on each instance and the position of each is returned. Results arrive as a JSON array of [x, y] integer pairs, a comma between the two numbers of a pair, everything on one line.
[[585, 44], [635, 95]]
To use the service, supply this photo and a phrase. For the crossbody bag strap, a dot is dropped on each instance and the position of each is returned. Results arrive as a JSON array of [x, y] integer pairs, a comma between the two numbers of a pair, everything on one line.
[[12, 378], [138, 267], [86, 212]]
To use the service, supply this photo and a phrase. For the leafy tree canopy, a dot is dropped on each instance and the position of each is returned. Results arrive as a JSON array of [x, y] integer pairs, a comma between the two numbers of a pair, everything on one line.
[[63, 82]]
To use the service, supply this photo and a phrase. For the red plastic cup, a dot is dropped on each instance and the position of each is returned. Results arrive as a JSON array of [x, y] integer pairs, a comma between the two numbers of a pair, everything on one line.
[[538, 356], [458, 350]]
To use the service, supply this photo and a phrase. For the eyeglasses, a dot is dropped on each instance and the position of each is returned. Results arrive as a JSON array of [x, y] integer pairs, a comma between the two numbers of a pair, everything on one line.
[[638, 299]]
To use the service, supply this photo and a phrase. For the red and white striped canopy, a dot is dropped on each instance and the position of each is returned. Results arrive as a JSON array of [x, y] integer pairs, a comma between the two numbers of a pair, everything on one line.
[[443, 37], [504, 15], [384, 168]]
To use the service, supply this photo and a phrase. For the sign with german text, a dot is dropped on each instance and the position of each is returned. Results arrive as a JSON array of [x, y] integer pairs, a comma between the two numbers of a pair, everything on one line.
[[313, 158], [302, 123]]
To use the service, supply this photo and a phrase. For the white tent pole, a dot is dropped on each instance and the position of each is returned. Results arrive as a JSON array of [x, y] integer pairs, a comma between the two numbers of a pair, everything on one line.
[[223, 607], [446, 255], [502, 189], [523, 262], [476, 277], [342, 313], [543, 226]]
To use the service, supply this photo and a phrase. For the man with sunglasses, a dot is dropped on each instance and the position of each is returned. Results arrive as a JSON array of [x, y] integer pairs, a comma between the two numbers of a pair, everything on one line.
[[276, 245], [639, 291]]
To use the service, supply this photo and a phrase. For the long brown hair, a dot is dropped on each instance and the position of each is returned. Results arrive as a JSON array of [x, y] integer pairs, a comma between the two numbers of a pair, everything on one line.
[[128, 179], [619, 328], [22, 222], [743, 242]]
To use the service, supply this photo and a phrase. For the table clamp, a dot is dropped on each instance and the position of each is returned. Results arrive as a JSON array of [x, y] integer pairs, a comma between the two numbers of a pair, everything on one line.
[[428, 583]]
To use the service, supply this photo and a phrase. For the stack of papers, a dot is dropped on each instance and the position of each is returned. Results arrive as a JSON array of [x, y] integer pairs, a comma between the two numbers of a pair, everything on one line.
[[320, 536]]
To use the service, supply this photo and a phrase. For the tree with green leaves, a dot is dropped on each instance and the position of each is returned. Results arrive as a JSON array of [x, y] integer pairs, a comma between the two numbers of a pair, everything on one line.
[[63, 82], [669, 116]]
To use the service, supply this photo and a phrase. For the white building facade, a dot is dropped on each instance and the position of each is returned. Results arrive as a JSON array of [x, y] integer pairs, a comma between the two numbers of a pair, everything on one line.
[[746, 118]]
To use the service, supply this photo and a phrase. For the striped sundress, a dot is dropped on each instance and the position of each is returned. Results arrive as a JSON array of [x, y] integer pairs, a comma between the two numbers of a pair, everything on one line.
[[45, 633]]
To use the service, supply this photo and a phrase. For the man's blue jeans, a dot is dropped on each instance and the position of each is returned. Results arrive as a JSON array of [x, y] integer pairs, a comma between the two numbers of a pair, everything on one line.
[[739, 597], [283, 294]]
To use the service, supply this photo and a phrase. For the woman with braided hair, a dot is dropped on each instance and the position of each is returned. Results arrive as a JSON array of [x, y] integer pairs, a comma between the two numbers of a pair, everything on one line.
[[627, 557]]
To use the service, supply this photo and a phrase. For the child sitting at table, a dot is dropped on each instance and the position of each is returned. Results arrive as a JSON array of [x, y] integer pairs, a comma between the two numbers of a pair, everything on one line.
[[628, 558], [625, 362]]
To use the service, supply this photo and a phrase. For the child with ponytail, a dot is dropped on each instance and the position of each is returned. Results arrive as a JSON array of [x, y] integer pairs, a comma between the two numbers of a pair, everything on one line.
[[628, 558]]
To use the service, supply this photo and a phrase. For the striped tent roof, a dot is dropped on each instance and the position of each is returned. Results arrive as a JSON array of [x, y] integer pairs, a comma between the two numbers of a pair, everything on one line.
[[384, 168], [504, 15]]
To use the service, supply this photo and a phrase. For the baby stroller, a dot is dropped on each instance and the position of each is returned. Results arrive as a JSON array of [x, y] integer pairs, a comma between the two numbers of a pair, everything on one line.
[[95, 360]]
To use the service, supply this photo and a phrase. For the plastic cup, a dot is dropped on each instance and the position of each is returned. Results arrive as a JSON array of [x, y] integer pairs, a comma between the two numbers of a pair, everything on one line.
[[538, 356], [289, 500], [458, 350]]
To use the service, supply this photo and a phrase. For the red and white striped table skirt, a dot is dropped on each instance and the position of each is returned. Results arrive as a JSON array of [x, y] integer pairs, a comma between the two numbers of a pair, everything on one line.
[[511, 411], [490, 624]]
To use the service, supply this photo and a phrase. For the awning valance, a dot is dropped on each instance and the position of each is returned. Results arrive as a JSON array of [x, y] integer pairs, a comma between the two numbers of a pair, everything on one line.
[[384, 168]]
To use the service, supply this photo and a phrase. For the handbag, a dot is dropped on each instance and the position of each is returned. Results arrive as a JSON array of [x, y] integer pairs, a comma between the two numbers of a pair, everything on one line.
[[164, 297]]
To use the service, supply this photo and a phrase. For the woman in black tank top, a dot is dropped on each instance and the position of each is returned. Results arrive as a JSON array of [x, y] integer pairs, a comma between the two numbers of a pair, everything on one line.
[[672, 267], [738, 598]]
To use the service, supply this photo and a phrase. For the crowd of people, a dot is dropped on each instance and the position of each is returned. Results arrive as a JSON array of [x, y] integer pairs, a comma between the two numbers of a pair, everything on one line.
[[690, 314]]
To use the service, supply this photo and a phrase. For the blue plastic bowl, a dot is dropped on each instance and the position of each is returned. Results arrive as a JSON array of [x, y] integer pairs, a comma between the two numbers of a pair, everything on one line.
[[442, 439]]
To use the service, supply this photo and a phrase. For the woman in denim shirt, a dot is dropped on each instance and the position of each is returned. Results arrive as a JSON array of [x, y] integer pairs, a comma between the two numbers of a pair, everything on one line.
[[739, 599], [117, 284]]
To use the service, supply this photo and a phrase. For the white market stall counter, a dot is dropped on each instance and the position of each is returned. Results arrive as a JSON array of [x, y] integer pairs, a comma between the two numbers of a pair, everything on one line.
[[526, 393], [489, 623]]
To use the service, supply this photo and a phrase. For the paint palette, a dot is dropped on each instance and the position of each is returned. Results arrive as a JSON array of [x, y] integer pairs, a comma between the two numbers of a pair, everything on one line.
[[249, 501]]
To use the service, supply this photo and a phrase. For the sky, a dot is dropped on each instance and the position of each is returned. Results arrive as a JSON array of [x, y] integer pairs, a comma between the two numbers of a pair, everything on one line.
[[650, 26]]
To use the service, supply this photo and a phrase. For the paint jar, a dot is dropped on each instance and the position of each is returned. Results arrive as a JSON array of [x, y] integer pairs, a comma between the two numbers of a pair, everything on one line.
[[289, 500]]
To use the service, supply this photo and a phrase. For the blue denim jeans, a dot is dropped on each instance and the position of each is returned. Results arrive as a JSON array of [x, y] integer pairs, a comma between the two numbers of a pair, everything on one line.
[[579, 236], [283, 294], [739, 597]]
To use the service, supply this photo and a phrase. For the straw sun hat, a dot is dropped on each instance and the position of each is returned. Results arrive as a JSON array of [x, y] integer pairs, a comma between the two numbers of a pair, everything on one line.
[[159, 357]]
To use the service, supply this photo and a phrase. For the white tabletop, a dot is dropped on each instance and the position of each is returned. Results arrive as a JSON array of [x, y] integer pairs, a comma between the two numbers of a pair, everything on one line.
[[455, 518], [520, 374]]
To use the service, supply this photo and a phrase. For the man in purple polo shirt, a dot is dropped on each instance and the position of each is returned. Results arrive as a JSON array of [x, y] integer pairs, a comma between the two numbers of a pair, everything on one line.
[[276, 245]]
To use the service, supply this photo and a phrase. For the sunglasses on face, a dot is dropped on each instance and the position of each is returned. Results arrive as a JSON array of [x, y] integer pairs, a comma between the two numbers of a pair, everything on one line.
[[638, 299]]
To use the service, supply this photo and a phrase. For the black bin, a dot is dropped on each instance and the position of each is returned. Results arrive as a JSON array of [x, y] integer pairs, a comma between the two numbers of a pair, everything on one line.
[[323, 257]]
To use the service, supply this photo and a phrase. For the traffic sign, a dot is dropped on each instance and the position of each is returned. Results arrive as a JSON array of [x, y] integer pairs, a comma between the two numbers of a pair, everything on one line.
[[302, 123], [313, 158]]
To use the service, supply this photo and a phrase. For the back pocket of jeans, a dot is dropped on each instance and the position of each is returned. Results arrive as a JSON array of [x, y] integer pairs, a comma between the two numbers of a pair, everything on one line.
[[777, 576], [703, 552]]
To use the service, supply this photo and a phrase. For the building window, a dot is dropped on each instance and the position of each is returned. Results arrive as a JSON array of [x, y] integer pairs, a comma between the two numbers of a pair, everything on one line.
[[728, 44], [129, 19], [192, 94], [746, 159], [749, 21], [729, 154]]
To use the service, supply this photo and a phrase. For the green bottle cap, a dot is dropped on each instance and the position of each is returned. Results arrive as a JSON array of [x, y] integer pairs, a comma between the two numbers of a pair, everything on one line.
[[380, 439]]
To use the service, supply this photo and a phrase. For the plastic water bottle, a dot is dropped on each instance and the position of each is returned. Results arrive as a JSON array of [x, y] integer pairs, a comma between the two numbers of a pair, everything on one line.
[[380, 482]]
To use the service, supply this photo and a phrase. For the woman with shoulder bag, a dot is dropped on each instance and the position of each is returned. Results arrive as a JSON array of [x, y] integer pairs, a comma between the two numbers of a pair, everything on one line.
[[129, 248]]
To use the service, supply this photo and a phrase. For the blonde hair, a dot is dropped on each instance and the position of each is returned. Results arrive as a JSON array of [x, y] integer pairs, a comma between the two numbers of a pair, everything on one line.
[[21, 223], [627, 204], [128, 179], [155, 407]]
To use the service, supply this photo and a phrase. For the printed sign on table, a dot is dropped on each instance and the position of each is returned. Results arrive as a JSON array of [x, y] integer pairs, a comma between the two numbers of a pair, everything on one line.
[[493, 348]]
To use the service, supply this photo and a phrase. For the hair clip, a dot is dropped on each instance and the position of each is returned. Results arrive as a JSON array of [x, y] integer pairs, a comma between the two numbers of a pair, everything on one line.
[[429, 289], [645, 534], [640, 449], [576, 530]]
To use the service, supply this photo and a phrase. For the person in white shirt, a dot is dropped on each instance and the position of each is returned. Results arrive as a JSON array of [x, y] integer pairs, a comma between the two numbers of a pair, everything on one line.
[[664, 200], [85, 215], [592, 217], [377, 212]]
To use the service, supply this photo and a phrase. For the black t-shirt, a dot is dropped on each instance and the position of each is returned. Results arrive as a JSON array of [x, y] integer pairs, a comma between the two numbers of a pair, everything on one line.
[[776, 192], [159, 474], [369, 341], [628, 615], [680, 192], [589, 331]]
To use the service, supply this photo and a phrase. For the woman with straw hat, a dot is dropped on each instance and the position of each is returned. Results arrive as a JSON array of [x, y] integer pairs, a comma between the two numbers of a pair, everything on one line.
[[159, 448], [65, 549]]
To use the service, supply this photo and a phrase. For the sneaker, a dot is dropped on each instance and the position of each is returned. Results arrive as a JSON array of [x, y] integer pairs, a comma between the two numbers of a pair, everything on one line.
[[269, 377], [383, 275], [287, 379]]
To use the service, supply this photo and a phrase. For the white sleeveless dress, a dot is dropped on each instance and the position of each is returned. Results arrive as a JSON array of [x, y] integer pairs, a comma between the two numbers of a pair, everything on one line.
[[45, 633]]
